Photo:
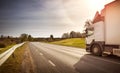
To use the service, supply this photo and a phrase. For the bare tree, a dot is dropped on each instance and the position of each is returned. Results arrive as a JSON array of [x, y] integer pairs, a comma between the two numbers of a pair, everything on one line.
[[30, 38], [79, 35], [1, 36], [51, 36], [73, 34], [88, 23], [23, 37], [66, 35]]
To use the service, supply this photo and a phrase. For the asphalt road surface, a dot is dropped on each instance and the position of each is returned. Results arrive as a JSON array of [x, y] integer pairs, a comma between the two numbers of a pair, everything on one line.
[[50, 58]]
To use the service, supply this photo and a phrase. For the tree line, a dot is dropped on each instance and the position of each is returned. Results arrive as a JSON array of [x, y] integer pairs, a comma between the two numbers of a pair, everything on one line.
[[9, 40], [73, 34]]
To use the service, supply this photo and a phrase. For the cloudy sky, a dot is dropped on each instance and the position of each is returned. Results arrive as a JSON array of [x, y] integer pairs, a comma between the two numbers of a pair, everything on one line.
[[40, 18]]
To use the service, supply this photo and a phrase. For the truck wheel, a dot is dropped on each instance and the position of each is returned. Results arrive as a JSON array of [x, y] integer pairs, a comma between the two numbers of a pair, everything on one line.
[[96, 50]]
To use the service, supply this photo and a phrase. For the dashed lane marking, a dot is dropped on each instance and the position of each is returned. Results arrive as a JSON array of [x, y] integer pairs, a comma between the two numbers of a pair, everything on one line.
[[41, 54], [51, 63]]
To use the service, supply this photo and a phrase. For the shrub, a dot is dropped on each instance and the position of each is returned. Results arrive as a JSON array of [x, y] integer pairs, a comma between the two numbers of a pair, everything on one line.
[[2, 45]]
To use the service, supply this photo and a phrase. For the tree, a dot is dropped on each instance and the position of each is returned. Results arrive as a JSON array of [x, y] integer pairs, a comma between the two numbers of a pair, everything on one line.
[[79, 35], [87, 26], [66, 35], [29, 38], [51, 37], [88, 23], [23, 37], [73, 34], [2, 36]]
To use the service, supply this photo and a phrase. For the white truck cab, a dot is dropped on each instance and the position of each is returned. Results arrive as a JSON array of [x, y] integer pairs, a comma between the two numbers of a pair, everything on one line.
[[103, 35]]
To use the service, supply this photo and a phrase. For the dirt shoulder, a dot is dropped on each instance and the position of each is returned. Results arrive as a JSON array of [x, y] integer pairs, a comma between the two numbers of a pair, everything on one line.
[[27, 63], [20, 62]]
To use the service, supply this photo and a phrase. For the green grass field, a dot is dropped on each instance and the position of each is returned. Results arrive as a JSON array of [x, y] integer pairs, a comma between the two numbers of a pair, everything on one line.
[[73, 42]]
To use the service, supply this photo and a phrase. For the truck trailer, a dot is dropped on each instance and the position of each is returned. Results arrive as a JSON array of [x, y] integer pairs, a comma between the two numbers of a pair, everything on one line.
[[103, 35]]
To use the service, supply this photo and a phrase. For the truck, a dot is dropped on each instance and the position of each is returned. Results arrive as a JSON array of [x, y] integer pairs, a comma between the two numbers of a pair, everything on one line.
[[103, 34]]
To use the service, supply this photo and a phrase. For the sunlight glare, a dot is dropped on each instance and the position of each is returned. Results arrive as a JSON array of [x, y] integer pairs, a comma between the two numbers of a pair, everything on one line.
[[97, 4]]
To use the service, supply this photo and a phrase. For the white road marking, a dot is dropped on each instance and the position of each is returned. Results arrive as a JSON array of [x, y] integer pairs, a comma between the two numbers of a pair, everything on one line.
[[51, 63], [41, 54]]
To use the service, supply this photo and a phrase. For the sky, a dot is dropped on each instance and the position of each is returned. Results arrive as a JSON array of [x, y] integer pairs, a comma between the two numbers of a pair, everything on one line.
[[41, 18]]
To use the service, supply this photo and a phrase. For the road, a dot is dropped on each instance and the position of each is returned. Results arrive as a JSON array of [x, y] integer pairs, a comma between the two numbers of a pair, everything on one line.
[[50, 58]]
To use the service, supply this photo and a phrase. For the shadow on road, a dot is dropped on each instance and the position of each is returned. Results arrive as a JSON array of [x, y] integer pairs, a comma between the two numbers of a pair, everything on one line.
[[94, 64]]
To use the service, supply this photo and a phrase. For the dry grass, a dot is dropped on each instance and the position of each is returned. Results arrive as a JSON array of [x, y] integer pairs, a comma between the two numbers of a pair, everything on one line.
[[13, 64], [6, 48]]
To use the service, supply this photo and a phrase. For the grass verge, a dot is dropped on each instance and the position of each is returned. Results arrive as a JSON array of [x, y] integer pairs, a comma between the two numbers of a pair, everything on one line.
[[13, 64], [73, 42], [6, 48]]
